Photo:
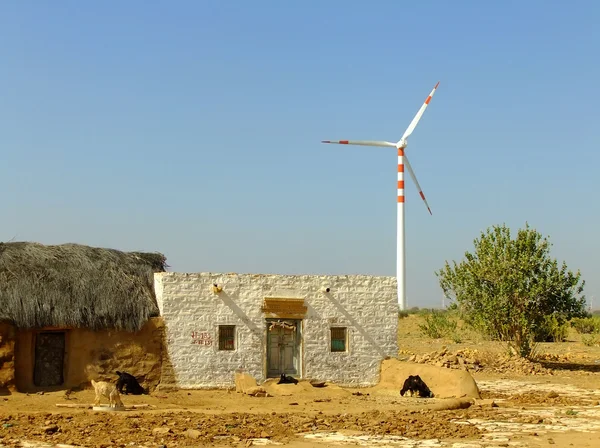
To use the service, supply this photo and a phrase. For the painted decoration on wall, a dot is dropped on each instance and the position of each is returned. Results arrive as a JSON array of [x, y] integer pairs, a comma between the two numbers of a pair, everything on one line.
[[201, 338]]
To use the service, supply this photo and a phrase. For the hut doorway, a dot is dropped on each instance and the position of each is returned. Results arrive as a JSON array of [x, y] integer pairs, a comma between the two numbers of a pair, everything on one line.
[[283, 347], [49, 359]]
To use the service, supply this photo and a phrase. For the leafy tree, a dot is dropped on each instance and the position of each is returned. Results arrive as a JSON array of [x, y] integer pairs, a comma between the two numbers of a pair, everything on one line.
[[507, 288]]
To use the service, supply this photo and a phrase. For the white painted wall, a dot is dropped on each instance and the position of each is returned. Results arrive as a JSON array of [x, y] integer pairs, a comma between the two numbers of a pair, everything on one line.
[[366, 305]]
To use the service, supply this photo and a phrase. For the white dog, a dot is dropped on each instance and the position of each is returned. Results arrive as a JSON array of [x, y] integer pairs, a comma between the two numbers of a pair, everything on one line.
[[108, 390]]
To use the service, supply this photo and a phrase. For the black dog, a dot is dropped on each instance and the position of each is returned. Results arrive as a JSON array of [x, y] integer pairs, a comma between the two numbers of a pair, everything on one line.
[[287, 379], [414, 384], [129, 383]]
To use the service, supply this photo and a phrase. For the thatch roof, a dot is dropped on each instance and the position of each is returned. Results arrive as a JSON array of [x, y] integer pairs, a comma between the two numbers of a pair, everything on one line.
[[72, 285]]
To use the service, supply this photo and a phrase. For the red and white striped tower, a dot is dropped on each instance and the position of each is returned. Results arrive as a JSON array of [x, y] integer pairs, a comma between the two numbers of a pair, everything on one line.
[[400, 238], [402, 164]]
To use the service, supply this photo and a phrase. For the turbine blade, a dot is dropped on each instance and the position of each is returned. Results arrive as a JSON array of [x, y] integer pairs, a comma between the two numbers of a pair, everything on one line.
[[414, 178], [413, 123], [361, 143]]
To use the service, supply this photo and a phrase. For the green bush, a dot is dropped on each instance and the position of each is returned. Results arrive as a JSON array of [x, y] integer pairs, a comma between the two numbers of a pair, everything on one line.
[[438, 325], [553, 329], [507, 287], [586, 325], [591, 340], [456, 336], [405, 313]]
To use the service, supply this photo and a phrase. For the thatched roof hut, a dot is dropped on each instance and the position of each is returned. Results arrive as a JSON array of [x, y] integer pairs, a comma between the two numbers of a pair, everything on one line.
[[72, 285]]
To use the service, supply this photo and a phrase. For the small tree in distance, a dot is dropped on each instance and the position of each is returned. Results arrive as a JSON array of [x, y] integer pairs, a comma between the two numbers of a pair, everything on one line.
[[507, 288]]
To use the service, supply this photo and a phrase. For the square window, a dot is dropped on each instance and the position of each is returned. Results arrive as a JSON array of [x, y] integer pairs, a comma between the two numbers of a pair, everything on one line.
[[338, 339], [226, 337]]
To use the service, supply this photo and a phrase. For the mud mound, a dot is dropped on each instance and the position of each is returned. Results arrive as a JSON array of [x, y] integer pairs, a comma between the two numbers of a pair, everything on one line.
[[244, 382], [444, 383], [547, 398], [303, 389], [475, 361]]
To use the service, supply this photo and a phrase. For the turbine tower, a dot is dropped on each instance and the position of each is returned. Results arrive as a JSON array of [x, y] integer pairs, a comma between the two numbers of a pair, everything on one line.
[[402, 163]]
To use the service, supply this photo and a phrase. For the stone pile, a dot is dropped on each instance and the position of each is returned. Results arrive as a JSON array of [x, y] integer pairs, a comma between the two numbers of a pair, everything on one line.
[[563, 357], [474, 361], [520, 366], [466, 359]]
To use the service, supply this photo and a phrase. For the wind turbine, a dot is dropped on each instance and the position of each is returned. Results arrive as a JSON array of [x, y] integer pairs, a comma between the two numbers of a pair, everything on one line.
[[402, 162]]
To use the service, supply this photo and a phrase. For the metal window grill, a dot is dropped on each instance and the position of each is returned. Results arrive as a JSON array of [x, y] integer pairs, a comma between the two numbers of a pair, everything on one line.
[[338, 339], [226, 337]]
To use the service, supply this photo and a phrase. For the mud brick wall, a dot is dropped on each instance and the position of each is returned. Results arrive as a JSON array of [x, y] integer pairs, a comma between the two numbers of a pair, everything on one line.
[[7, 364], [97, 355]]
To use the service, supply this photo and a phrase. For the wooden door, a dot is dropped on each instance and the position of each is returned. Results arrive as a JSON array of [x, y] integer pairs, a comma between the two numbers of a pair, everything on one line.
[[49, 359], [283, 348]]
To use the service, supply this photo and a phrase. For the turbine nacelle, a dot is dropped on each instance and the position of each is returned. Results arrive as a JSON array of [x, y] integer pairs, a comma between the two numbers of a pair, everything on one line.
[[402, 143]]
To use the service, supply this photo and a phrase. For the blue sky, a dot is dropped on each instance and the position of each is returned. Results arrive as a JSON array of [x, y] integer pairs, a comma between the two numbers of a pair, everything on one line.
[[194, 128]]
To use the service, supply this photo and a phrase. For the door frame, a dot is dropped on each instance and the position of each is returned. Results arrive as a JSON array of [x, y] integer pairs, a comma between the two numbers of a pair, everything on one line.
[[299, 344], [65, 370]]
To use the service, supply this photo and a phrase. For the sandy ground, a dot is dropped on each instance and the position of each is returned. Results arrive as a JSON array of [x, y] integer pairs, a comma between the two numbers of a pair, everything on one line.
[[560, 407]]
